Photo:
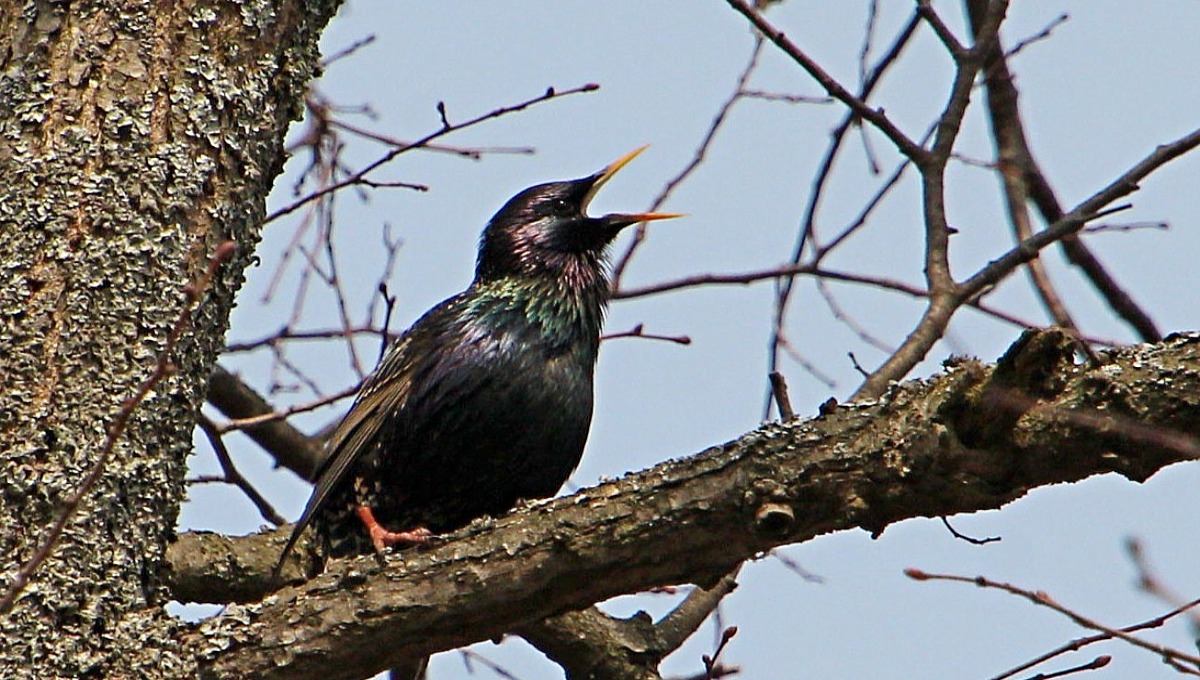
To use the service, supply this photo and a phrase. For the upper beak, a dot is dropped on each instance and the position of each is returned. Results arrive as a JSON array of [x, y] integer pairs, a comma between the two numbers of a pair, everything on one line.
[[601, 178]]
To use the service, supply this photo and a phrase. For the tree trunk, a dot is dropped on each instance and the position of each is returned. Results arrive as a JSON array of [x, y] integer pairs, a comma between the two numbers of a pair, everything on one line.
[[134, 138]]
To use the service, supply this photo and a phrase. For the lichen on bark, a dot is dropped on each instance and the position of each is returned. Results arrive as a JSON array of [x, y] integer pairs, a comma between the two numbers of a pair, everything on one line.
[[134, 138]]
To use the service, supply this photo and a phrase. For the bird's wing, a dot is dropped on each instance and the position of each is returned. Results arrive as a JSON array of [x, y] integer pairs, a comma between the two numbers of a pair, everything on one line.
[[385, 391], [383, 394]]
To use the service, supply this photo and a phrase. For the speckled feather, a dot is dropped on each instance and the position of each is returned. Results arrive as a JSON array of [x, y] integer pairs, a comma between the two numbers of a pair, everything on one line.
[[487, 398]]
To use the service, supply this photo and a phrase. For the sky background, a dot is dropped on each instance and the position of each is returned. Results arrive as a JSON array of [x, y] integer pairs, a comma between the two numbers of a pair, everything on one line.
[[1113, 81]]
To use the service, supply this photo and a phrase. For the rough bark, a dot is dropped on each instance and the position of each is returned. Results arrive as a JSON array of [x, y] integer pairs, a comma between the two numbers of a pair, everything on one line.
[[135, 136], [973, 438]]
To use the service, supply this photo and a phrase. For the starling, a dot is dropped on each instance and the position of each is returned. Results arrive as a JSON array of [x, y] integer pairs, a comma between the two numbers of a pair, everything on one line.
[[487, 399]]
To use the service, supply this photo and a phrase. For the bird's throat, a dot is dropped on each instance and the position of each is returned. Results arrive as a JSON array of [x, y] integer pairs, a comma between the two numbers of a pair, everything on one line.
[[565, 312]]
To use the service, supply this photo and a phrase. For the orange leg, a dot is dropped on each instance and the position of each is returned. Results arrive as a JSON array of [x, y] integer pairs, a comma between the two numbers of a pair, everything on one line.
[[382, 538]]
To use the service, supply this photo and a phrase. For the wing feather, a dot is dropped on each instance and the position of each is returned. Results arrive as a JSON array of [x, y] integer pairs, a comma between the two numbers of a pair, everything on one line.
[[353, 437]]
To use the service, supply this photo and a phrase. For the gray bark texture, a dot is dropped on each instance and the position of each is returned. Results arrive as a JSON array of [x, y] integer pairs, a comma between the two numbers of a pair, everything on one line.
[[135, 137]]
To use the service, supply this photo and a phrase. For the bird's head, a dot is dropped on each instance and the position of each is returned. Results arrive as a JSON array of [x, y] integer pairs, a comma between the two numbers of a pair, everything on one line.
[[545, 230]]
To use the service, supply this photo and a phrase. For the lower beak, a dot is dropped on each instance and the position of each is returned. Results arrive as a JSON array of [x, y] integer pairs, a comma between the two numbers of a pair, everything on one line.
[[634, 218]]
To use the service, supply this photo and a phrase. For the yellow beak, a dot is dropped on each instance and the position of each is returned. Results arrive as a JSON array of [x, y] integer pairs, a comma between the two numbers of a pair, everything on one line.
[[607, 173]]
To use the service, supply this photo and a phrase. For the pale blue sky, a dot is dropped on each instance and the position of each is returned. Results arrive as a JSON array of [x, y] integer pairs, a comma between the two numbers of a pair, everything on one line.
[[1112, 82]]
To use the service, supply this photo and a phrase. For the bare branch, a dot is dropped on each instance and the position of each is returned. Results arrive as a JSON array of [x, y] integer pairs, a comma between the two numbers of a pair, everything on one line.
[[445, 129], [1150, 583], [835, 89], [472, 152], [808, 224], [253, 421], [639, 331], [290, 447], [677, 626], [499, 574], [943, 32], [287, 334], [232, 476], [1012, 157], [779, 391], [1045, 600], [639, 234], [1079, 643], [1085, 212], [937, 317]]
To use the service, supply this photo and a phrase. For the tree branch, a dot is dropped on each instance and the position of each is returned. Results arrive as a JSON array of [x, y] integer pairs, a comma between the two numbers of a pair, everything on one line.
[[236, 400], [1022, 169], [937, 317], [876, 117], [1012, 156], [954, 443]]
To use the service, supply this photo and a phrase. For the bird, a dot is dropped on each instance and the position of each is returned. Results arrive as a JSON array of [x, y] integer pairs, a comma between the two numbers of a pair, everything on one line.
[[486, 400]]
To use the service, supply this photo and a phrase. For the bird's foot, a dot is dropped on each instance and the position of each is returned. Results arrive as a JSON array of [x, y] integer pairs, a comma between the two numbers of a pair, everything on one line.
[[382, 539]]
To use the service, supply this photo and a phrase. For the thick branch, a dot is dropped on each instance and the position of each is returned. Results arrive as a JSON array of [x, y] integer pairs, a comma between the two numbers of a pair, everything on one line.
[[973, 438], [598, 647]]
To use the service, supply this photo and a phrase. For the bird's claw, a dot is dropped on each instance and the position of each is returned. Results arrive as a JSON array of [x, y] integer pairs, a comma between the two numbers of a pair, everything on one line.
[[383, 539]]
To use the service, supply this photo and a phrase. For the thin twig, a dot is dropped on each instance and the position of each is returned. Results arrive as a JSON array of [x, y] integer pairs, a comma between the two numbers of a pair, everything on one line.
[[969, 539], [1037, 37], [473, 152], [243, 423], [639, 234], [347, 51], [840, 314], [339, 295], [290, 447], [1150, 583], [1079, 643], [233, 476], [821, 180], [389, 305], [808, 269], [763, 95], [445, 129], [391, 250], [286, 334], [1043, 599], [639, 331], [835, 89], [1096, 663], [710, 662]]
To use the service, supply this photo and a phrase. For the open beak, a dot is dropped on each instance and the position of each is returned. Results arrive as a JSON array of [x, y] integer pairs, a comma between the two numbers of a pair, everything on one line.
[[602, 177]]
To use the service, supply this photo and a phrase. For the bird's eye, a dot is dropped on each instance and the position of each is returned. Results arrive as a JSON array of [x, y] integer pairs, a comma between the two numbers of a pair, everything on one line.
[[561, 207]]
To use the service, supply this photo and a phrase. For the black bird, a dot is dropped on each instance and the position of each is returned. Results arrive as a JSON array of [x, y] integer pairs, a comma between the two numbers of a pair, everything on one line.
[[487, 399]]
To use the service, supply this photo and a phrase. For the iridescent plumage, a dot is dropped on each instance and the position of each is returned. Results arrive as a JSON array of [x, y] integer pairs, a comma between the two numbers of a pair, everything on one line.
[[487, 398]]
